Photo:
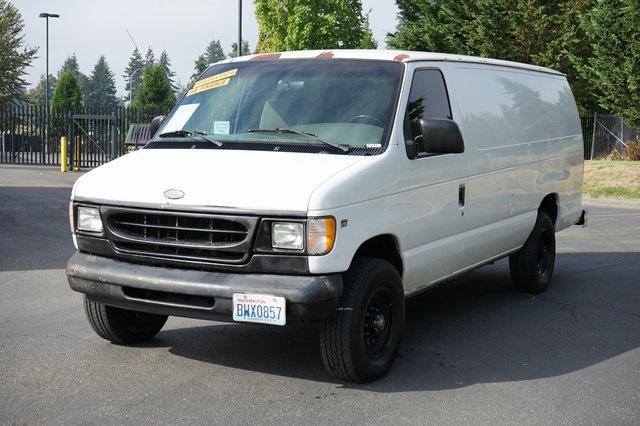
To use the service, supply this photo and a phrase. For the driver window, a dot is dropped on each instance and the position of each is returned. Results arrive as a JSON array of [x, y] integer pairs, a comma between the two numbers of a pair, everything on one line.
[[427, 99]]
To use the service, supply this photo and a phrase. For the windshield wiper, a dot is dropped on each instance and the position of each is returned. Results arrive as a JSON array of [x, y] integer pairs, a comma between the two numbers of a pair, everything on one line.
[[191, 134], [297, 132]]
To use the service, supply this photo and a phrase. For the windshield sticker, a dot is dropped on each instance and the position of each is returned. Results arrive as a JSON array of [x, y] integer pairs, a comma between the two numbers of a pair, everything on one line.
[[221, 127], [180, 117], [220, 76], [374, 145], [217, 80]]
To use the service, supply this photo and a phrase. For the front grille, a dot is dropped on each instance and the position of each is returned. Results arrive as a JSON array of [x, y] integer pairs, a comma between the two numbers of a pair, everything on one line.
[[179, 235]]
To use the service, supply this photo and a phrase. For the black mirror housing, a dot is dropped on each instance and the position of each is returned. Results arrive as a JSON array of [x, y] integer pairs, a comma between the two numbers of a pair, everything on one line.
[[412, 149], [155, 125], [441, 136]]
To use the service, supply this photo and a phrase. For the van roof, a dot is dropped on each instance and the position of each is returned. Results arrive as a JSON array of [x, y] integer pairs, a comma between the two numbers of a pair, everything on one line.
[[387, 55]]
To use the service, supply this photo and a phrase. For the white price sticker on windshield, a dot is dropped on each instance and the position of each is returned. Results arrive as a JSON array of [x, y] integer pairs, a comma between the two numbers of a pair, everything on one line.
[[180, 117], [221, 127]]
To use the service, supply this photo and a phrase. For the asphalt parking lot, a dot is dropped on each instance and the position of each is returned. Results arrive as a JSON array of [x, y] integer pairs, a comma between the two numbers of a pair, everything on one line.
[[473, 350]]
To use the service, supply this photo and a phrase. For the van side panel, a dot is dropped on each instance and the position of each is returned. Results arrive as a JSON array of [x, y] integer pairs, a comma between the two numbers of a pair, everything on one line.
[[523, 141]]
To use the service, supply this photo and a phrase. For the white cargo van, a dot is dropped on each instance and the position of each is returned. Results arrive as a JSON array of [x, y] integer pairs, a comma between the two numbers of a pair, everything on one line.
[[328, 186]]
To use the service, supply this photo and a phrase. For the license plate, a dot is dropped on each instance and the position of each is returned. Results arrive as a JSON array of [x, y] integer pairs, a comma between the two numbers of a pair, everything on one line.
[[260, 308]]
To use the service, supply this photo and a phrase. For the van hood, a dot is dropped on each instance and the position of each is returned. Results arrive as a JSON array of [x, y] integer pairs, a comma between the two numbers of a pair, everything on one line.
[[261, 181]]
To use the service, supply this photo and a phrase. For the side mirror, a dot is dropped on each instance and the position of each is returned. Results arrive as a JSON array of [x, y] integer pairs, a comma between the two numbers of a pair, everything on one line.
[[441, 136], [155, 125], [412, 149]]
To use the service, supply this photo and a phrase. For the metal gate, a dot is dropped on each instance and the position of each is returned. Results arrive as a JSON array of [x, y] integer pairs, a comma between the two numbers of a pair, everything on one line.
[[94, 137], [92, 140]]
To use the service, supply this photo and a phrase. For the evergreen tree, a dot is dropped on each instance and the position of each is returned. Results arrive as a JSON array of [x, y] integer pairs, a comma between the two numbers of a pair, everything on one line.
[[67, 97], [135, 63], [540, 32], [36, 94], [311, 24], [166, 64], [14, 58], [155, 93], [212, 54], [246, 50], [71, 65], [101, 89], [613, 29], [149, 58], [201, 64]]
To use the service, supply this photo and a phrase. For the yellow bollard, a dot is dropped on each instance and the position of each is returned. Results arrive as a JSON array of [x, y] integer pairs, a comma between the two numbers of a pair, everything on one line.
[[76, 156], [63, 154]]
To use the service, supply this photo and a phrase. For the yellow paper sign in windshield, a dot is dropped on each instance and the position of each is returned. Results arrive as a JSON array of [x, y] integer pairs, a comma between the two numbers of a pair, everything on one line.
[[217, 80]]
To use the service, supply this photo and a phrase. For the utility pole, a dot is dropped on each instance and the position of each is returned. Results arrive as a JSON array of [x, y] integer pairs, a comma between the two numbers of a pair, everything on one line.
[[46, 89], [239, 28]]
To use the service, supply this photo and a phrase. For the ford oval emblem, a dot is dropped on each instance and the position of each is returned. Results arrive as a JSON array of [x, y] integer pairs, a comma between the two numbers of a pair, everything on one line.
[[173, 194]]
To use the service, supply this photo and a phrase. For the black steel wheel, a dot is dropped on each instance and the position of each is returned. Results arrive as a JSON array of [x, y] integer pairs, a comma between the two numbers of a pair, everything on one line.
[[359, 342], [532, 266], [545, 253], [377, 323]]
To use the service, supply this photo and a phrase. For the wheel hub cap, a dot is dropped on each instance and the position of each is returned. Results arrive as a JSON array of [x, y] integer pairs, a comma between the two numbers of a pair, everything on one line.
[[378, 323]]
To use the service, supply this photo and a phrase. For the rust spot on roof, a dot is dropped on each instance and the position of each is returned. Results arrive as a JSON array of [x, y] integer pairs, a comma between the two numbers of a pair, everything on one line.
[[401, 57], [325, 55], [265, 57]]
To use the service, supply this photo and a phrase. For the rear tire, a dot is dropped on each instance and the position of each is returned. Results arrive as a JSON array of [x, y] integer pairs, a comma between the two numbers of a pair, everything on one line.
[[121, 326], [359, 342], [532, 266]]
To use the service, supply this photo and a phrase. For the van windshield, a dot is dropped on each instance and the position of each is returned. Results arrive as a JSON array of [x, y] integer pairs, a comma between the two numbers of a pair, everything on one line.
[[334, 106]]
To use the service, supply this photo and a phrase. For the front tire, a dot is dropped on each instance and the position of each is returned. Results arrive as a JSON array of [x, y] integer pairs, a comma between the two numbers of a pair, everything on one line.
[[121, 326], [532, 266], [359, 342]]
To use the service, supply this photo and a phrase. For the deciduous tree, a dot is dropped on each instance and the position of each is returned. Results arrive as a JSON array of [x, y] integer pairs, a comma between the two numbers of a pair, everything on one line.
[[311, 24], [15, 57]]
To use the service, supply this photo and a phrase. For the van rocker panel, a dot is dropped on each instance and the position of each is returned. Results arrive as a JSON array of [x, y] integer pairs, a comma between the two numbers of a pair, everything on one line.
[[196, 293]]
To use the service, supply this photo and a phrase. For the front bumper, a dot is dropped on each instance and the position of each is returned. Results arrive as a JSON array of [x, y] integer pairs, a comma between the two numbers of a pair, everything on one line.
[[197, 293]]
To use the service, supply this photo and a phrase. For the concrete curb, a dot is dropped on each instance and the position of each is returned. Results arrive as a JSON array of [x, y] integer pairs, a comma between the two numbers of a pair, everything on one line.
[[610, 202]]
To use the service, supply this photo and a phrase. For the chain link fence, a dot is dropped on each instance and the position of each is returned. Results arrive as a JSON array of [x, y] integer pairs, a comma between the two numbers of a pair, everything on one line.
[[603, 134]]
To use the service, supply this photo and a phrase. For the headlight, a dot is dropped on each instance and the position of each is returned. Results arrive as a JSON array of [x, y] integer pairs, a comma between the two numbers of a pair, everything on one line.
[[89, 219], [321, 234], [287, 235]]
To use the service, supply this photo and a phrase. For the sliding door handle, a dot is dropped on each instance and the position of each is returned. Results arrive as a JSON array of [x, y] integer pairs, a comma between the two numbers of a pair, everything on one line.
[[461, 194]]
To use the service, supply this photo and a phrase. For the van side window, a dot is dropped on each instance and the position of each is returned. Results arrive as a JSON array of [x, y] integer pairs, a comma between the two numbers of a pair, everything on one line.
[[428, 99]]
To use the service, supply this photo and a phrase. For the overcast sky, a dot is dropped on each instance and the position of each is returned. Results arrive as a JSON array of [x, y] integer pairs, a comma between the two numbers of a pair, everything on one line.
[[184, 28]]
